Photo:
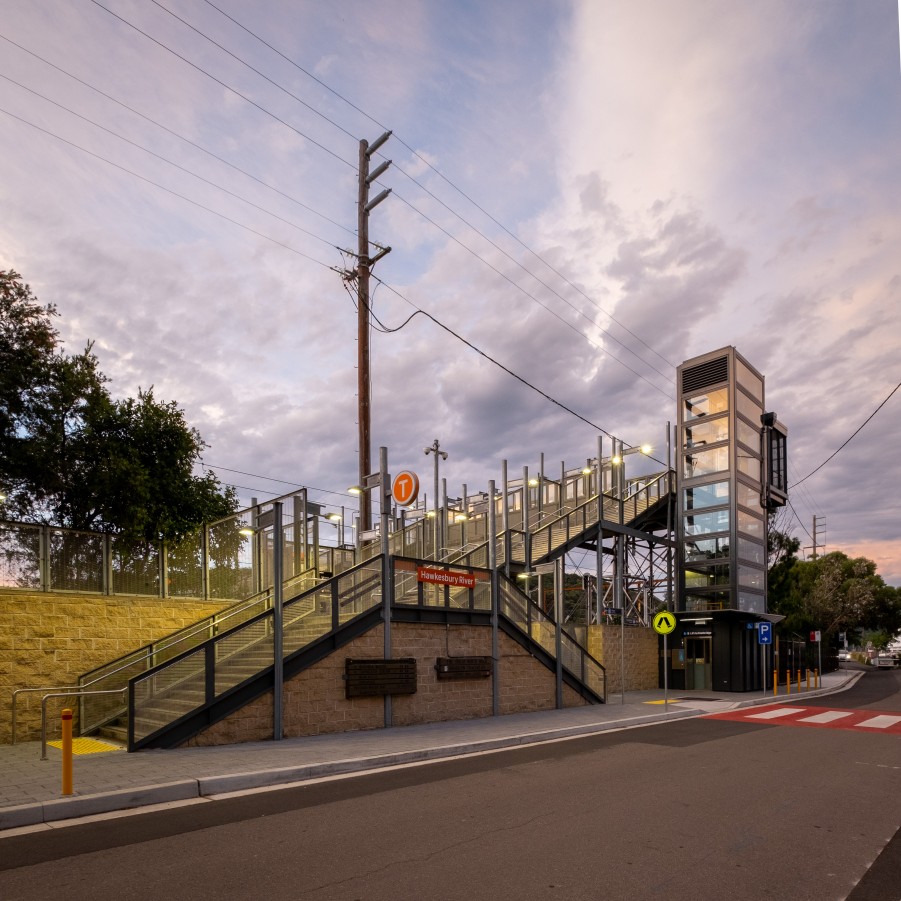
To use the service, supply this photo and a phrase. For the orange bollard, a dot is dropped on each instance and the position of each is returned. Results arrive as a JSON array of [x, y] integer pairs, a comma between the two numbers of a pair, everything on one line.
[[788, 682], [808, 680], [816, 674], [775, 682], [67, 751], [799, 680]]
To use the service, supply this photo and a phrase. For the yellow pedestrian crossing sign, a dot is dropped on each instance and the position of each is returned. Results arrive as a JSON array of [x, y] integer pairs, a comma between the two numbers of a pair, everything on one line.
[[664, 622]]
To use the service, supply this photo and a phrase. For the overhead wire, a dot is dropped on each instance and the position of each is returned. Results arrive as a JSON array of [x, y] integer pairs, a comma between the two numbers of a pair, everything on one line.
[[438, 172], [393, 290], [178, 166], [175, 134], [174, 193], [531, 296], [431, 194], [845, 443], [485, 355], [267, 237], [223, 84]]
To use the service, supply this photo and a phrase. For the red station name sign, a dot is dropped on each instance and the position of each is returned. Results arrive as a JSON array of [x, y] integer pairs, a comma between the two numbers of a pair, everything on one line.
[[445, 577]]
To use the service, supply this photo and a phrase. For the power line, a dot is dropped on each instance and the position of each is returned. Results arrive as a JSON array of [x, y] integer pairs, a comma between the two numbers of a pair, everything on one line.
[[175, 134], [227, 87], [256, 475], [536, 300], [265, 77], [164, 159], [845, 443], [491, 359], [167, 190], [319, 262], [463, 194]]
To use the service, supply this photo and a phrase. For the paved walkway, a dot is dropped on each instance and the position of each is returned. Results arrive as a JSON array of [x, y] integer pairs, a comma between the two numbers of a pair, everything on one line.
[[30, 788]]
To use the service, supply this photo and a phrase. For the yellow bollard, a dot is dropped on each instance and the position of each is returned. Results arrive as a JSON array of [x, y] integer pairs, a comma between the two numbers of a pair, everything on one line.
[[799, 680], [808, 679], [788, 682], [775, 682], [816, 673], [67, 751]]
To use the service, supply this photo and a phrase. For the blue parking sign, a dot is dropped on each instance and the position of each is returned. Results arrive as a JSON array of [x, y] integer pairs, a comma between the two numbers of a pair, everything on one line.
[[765, 633]]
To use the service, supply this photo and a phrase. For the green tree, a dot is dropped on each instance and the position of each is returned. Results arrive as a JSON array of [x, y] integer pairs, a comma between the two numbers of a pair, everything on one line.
[[74, 456], [833, 593]]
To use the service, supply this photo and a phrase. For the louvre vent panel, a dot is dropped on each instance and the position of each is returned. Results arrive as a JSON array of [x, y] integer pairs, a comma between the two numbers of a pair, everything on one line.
[[713, 372]]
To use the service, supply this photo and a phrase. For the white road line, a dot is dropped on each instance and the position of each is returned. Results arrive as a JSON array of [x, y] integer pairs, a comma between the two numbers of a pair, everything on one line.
[[772, 714], [828, 717], [880, 722]]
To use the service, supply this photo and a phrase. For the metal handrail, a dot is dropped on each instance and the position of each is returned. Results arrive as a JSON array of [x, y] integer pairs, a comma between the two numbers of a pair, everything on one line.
[[182, 636], [67, 694], [211, 642], [64, 688]]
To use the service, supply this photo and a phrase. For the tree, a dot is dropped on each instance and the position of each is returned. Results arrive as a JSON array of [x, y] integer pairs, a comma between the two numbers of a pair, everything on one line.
[[833, 593], [74, 456]]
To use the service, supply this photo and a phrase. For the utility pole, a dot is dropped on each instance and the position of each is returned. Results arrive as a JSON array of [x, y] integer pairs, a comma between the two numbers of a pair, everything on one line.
[[364, 268], [819, 527]]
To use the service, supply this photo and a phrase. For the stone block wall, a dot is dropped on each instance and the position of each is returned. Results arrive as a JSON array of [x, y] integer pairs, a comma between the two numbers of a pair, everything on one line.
[[50, 639], [315, 701], [639, 645]]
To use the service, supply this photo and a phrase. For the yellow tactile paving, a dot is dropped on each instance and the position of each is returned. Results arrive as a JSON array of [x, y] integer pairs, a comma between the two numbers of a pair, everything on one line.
[[88, 746]]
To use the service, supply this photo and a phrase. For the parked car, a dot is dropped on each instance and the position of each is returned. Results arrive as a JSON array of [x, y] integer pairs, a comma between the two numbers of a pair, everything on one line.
[[884, 660], [844, 655]]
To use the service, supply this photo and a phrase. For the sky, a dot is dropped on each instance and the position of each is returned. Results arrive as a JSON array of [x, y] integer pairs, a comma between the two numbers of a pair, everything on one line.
[[589, 192]]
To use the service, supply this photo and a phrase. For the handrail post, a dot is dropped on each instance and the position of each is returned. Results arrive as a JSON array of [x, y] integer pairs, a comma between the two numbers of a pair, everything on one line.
[[13, 717], [44, 727], [559, 572], [205, 560], [44, 557]]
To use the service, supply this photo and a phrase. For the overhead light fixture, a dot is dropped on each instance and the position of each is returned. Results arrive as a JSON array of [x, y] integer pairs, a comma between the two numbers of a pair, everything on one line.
[[355, 489], [246, 531], [646, 448], [460, 517], [333, 517], [533, 483], [586, 471]]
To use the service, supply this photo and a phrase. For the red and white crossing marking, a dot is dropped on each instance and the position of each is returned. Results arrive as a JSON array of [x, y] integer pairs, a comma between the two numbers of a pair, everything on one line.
[[816, 717]]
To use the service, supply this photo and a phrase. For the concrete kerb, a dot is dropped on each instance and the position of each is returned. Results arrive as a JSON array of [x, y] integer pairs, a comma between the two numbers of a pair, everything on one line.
[[102, 802]]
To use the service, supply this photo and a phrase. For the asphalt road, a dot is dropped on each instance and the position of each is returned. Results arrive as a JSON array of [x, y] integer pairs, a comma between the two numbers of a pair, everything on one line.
[[694, 809]]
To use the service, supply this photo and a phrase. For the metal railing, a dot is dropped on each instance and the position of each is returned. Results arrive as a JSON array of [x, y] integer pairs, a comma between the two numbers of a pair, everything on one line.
[[66, 694], [542, 628], [96, 711], [166, 693]]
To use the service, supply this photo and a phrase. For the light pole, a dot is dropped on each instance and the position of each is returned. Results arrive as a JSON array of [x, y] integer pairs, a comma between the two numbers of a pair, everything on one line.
[[436, 529]]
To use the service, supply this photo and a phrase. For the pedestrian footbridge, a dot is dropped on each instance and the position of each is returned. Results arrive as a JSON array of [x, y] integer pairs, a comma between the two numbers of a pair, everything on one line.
[[172, 691]]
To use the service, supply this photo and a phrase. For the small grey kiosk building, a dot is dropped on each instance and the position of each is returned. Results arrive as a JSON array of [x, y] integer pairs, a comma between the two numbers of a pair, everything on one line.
[[730, 470]]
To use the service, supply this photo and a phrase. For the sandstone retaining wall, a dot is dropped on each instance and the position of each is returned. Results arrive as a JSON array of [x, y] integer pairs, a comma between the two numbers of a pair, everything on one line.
[[50, 639]]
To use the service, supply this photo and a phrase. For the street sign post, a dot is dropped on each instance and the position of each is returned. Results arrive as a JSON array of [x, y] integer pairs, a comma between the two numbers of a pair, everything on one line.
[[664, 623], [764, 637]]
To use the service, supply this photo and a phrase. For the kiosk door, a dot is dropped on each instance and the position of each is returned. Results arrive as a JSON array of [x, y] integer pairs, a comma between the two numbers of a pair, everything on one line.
[[698, 664]]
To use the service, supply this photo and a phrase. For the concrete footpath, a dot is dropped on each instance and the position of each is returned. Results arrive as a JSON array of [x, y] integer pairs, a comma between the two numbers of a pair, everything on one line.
[[31, 790]]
